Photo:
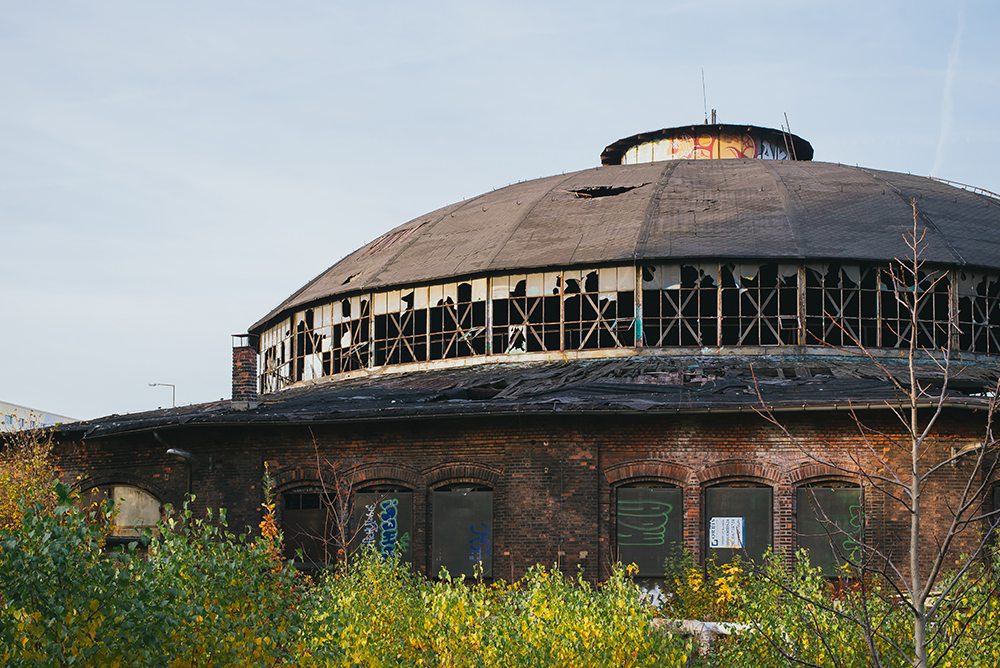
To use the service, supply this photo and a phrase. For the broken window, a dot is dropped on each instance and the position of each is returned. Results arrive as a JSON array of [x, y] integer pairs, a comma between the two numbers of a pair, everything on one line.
[[843, 304], [348, 350], [928, 294], [650, 526], [312, 332], [737, 521], [828, 524], [307, 522], [526, 313], [680, 305], [462, 530], [382, 517], [276, 357], [978, 312], [598, 308], [760, 305], [458, 319], [135, 510], [400, 326]]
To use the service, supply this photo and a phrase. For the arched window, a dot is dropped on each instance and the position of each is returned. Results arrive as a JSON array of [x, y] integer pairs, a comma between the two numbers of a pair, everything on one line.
[[828, 523], [649, 521], [307, 521], [382, 517], [462, 529], [738, 520], [135, 509]]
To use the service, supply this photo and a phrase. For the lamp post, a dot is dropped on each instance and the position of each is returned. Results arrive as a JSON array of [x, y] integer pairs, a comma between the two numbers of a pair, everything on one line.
[[173, 392]]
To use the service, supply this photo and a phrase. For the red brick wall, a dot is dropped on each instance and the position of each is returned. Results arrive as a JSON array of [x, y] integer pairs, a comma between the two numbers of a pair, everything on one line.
[[553, 476], [244, 373]]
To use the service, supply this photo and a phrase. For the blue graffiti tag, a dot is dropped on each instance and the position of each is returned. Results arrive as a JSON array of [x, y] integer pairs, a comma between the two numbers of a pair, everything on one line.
[[388, 525], [479, 543]]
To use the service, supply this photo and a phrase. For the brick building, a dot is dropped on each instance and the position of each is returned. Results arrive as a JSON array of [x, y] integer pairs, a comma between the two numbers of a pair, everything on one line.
[[572, 369]]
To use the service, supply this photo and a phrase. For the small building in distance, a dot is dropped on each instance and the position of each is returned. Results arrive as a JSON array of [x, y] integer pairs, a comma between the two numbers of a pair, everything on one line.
[[14, 417], [570, 369]]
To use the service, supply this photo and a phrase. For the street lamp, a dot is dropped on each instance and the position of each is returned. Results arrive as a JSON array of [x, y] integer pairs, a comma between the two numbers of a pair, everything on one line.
[[173, 392]]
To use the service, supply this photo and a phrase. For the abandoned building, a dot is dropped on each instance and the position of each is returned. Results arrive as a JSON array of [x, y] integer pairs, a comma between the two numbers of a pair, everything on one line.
[[571, 369]]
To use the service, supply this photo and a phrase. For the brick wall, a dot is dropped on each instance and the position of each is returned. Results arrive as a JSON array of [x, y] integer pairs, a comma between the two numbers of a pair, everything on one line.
[[244, 373], [553, 477]]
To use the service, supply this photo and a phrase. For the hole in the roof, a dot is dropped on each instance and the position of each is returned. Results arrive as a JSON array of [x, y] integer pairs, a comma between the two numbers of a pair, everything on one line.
[[591, 192]]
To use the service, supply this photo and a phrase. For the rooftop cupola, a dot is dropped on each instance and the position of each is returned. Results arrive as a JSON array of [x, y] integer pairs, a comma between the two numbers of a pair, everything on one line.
[[707, 142]]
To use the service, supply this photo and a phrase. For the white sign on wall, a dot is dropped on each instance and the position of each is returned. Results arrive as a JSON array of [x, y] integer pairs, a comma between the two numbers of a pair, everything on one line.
[[726, 533]]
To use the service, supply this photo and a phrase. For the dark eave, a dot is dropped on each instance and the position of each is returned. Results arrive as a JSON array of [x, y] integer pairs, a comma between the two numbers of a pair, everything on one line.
[[634, 385]]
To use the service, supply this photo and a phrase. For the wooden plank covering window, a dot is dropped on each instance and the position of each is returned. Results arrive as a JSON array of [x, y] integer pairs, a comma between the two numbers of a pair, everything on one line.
[[828, 524], [650, 526], [737, 521], [462, 531], [384, 520]]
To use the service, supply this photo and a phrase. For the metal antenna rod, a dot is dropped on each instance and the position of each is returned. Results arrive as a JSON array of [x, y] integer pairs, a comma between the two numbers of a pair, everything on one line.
[[704, 96]]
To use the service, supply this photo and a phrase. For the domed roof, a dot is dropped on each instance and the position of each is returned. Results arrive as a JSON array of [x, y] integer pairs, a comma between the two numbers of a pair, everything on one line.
[[677, 210]]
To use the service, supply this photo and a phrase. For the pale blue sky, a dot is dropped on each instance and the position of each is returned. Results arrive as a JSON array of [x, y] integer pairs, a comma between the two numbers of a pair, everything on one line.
[[171, 171]]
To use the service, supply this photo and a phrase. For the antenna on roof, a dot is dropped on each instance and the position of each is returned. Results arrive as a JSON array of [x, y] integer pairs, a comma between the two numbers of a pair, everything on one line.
[[704, 96]]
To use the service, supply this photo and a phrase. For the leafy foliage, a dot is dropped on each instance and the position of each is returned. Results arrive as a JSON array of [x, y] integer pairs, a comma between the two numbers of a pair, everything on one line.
[[201, 595], [26, 472]]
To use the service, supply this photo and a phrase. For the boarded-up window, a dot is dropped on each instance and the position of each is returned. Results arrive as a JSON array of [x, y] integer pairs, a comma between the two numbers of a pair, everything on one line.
[[308, 526], [135, 510], [462, 533], [650, 526], [828, 524], [383, 519], [737, 521]]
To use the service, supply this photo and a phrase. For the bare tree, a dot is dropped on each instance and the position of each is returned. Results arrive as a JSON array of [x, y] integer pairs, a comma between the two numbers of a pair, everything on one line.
[[901, 464]]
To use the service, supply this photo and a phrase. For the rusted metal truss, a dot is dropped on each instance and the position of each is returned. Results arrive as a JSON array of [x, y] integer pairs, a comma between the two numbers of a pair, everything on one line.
[[700, 305]]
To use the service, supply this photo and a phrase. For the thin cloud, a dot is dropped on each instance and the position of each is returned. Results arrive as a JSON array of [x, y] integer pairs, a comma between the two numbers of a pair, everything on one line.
[[944, 134]]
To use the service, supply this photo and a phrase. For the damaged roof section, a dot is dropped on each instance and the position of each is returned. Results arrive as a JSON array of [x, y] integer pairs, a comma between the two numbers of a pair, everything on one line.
[[637, 384]]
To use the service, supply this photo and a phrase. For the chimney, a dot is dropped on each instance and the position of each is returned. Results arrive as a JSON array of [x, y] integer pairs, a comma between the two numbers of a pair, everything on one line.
[[244, 371]]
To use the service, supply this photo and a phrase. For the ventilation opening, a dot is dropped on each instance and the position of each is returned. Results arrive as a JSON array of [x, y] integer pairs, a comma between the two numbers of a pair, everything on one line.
[[591, 192]]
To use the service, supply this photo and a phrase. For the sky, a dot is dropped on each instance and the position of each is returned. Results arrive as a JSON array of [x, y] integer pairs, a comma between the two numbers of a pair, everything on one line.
[[169, 172]]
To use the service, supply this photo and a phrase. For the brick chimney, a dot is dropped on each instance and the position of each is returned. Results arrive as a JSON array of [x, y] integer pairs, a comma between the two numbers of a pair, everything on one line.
[[244, 371]]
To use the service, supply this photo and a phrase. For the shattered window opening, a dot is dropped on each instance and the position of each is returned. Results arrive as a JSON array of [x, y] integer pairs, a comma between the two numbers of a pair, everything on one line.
[[978, 312], [682, 305], [843, 305], [759, 305], [598, 308]]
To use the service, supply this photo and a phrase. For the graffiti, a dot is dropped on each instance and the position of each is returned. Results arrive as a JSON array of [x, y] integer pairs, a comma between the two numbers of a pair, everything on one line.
[[771, 151], [727, 145], [388, 525], [643, 522], [370, 526], [737, 146], [480, 548], [851, 547]]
